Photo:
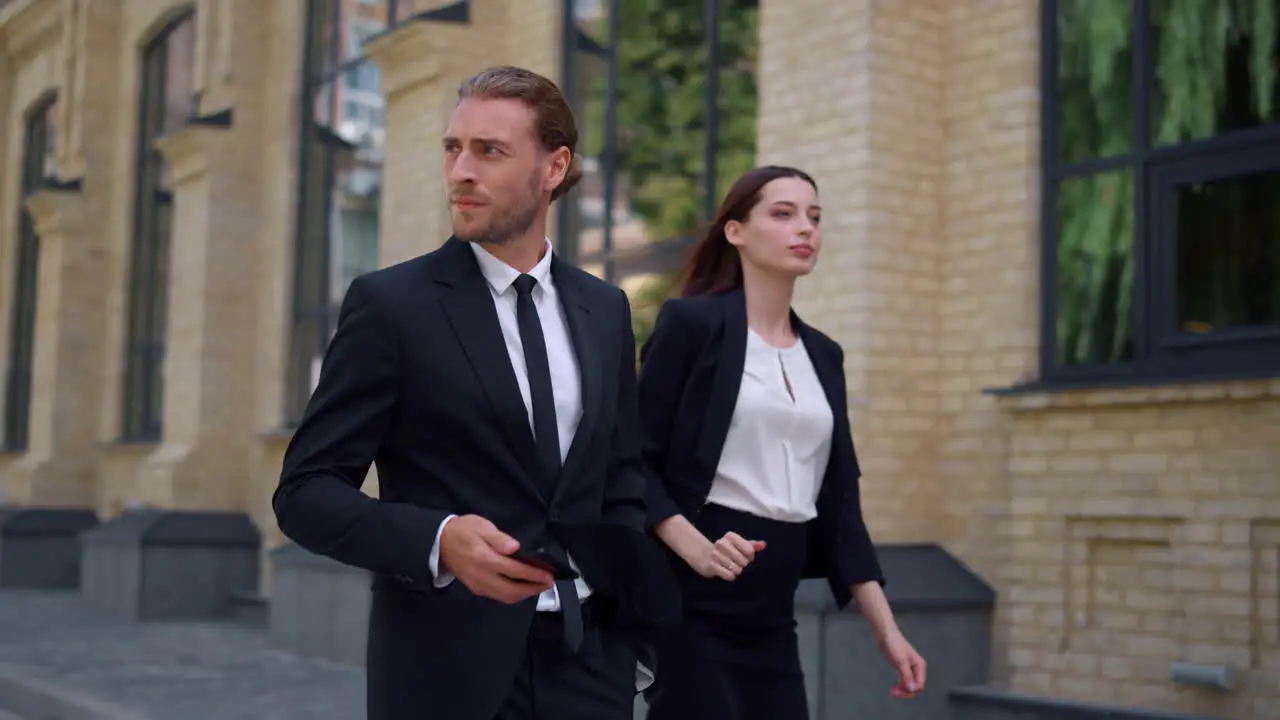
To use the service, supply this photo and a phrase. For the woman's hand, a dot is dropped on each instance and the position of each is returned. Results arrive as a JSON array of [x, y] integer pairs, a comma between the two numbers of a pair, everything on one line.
[[906, 661], [904, 658], [726, 558]]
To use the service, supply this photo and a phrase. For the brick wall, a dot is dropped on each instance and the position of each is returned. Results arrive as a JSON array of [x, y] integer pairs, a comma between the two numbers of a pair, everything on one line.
[[870, 139], [1144, 529]]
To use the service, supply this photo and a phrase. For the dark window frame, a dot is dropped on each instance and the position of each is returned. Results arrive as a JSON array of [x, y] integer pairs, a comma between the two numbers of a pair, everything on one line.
[[1160, 353], [313, 316], [576, 47], [142, 406], [38, 141]]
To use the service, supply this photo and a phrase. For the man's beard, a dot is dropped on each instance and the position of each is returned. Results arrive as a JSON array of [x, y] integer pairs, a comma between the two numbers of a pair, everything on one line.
[[509, 224]]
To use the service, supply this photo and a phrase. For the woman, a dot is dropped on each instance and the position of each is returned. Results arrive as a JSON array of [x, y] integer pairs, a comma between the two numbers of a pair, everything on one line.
[[746, 425]]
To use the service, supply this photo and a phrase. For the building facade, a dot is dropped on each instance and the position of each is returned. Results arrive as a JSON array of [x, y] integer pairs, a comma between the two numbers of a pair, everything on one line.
[[1052, 256]]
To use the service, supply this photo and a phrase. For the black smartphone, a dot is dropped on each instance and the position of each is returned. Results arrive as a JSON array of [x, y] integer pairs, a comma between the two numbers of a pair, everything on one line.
[[544, 560]]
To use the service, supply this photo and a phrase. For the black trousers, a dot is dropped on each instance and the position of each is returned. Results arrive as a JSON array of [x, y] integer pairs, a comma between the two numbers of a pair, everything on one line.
[[691, 687], [596, 683], [735, 655]]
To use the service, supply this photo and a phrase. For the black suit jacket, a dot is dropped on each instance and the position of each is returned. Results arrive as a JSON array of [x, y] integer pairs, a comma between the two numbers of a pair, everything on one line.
[[417, 379], [690, 374]]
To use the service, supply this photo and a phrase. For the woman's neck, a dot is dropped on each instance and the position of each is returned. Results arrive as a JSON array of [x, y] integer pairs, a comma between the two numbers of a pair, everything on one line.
[[768, 300]]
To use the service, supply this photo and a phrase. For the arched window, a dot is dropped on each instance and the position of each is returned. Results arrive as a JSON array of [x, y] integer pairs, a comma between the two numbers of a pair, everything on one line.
[[37, 167], [166, 102], [341, 147]]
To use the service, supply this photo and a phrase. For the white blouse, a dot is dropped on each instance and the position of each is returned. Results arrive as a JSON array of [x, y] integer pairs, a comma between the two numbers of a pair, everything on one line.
[[779, 440]]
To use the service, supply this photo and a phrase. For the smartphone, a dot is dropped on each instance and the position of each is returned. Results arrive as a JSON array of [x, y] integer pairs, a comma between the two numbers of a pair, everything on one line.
[[544, 560]]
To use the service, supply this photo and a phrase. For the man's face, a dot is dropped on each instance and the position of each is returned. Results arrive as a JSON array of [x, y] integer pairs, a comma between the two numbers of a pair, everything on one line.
[[495, 172]]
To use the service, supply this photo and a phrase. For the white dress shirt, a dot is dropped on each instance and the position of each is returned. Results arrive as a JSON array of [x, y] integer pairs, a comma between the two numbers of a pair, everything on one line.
[[565, 380], [776, 451]]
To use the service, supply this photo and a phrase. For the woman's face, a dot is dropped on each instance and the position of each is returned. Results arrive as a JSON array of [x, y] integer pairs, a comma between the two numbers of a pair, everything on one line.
[[781, 234]]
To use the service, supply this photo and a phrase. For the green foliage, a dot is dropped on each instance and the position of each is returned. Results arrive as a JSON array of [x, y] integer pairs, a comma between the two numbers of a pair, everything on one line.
[[645, 304], [661, 111]]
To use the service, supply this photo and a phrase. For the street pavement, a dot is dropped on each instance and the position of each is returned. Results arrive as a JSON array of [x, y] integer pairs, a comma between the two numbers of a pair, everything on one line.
[[61, 658]]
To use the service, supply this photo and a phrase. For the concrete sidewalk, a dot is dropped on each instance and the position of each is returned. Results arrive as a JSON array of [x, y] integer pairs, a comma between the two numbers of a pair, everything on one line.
[[61, 659]]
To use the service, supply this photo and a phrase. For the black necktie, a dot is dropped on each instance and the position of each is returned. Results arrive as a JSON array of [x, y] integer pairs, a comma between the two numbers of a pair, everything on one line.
[[546, 433]]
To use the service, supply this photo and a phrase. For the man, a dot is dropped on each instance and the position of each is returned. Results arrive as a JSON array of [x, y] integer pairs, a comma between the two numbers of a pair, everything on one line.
[[494, 387]]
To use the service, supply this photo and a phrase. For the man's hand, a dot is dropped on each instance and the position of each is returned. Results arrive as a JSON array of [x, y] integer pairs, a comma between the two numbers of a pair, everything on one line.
[[477, 553], [727, 557]]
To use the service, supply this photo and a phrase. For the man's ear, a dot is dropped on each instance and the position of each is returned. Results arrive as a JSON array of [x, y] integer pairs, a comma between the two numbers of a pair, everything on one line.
[[558, 168]]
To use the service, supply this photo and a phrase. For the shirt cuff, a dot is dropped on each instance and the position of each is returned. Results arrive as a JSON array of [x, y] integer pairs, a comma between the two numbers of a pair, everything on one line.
[[439, 578], [644, 677]]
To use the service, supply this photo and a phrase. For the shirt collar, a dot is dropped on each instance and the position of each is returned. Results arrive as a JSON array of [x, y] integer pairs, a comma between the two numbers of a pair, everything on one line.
[[500, 275]]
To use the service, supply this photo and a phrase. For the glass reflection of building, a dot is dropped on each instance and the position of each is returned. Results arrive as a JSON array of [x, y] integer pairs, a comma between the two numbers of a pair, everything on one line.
[[343, 144]]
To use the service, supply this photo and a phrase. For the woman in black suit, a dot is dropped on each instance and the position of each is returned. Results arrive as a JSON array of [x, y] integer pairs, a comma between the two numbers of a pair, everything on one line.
[[746, 423]]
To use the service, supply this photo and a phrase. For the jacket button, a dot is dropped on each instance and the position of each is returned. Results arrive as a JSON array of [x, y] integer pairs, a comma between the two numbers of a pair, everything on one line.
[[555, 516]]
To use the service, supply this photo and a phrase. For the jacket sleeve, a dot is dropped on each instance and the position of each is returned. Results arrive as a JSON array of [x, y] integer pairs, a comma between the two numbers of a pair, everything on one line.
[[666, 360], [627, 486], [318, 503], [855, 558]]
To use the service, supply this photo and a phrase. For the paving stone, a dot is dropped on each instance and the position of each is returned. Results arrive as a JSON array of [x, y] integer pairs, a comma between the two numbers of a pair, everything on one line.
[[162, 671]]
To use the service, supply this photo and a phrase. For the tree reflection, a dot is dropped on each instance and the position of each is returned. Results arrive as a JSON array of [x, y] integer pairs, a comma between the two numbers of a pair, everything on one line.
[[1214, 68]]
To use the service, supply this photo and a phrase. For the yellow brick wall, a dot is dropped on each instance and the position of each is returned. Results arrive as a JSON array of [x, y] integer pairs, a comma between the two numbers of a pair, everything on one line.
[[1144, 528], [988, 317], [870, 140]]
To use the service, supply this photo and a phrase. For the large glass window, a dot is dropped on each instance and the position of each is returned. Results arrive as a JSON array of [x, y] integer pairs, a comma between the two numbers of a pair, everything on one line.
[[1162, 173], [166, 102], [37, 168], [341, 148], [661, 135]]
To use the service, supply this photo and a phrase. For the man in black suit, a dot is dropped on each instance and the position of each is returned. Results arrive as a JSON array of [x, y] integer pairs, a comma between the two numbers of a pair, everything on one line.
[[494, 387]]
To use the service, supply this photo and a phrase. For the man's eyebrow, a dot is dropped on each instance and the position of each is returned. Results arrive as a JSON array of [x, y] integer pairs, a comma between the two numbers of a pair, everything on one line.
[[451, 140], [492, 141]]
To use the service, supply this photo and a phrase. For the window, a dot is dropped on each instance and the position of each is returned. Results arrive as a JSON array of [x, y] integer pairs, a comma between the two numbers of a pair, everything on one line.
[[364, 76], [1161, 147], [37, 168], [340, 178], [166, 102]]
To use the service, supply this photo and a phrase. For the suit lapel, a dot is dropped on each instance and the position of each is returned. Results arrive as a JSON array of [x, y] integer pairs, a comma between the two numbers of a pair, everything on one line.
[[828, 372], [586, 346], [471, 312], [727, 380]]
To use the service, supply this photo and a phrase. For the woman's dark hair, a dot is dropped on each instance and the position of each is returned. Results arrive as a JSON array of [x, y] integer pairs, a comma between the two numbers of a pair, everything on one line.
[[714, 266]]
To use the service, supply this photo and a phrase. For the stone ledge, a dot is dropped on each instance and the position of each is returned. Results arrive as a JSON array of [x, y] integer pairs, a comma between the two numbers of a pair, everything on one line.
[[40, 547], [945, 609], [250, 609], [171, 564], [319, 607], [919, 577], [1038, 398], [993, 703]]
